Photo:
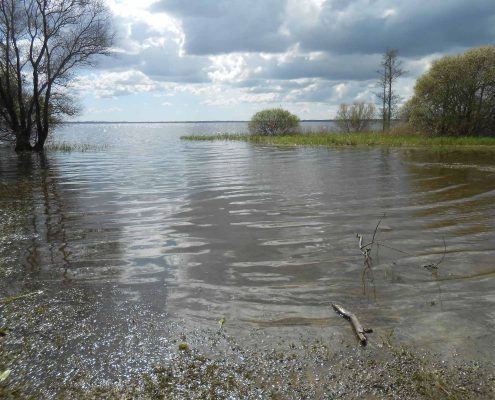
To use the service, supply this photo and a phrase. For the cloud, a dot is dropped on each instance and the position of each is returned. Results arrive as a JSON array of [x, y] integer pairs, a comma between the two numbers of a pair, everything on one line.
[[225, 26], [291, 53], [114, 84], [155, 53], [162, 61], [416, 28], [320, 65]]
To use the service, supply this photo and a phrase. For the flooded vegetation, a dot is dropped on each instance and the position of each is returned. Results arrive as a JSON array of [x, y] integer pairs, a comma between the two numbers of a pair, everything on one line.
[[116, 267], [332, 139], [67, 147]]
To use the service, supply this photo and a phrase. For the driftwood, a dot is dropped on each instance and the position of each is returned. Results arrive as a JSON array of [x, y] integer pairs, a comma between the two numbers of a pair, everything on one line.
[[356, 325]]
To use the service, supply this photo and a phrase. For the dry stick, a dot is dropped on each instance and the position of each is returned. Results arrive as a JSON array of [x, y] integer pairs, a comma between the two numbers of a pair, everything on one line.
[[356, 325], [367, 261], [434, 266], [368, 270], [366, 251], [361, 247], [376, 229], [433, 269]]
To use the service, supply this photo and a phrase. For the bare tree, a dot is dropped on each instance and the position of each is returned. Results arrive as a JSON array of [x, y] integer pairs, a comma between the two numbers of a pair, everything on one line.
[[42, 42], [389, 73], [355, 117]]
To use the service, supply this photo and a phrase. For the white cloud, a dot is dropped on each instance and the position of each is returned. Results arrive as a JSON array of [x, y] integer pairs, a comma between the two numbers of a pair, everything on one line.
[[340, 90], [228, 68], [114, 84], [278, 52], [389, 13]]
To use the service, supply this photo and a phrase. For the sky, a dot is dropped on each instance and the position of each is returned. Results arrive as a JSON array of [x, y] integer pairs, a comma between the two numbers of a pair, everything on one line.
[[192, 60]]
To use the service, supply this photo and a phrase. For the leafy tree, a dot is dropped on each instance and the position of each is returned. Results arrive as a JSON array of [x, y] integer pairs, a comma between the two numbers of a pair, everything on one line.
[[355, 117], [273, 122], [390, 72], [41, 43], [456, 96]]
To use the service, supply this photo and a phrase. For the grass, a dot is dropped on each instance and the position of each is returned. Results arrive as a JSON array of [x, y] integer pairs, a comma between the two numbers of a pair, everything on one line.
[[332, 139], [67, 147]]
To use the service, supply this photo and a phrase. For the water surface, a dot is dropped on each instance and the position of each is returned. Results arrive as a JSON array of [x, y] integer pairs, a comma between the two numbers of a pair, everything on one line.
[[155, 229]]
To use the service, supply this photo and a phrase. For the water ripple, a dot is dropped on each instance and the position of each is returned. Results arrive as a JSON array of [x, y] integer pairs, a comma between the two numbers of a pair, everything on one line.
[[265, 236]]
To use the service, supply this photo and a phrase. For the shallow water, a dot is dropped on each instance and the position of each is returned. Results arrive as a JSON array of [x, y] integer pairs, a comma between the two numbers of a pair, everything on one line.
[[157, 229]]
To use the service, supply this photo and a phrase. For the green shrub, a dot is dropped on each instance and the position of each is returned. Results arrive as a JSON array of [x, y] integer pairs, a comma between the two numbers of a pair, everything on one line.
[[273, 122], [456, 96]]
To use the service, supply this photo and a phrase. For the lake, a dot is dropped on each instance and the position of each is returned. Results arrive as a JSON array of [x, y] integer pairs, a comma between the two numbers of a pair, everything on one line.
[[155, 230]]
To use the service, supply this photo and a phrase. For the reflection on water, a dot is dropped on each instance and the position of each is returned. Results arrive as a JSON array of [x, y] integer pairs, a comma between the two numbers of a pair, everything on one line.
[[264, 236]]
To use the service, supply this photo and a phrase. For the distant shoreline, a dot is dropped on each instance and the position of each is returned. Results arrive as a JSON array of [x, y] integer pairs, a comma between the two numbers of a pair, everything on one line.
[[176, 122]]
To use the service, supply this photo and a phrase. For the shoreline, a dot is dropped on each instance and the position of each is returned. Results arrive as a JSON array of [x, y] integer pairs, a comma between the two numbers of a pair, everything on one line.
[[331, 139], [219, 364]]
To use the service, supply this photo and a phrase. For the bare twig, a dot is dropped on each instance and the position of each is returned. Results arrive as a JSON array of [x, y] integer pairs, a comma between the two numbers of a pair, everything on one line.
[[368, 261], [392, 248], [434, 266], [376, 229]]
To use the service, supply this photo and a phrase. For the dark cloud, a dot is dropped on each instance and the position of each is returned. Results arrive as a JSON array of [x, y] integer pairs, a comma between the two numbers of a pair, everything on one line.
[[224, 26], [141, 31], [163, 63], [341, 26], [414, 27], [295, 50], [325, 66]]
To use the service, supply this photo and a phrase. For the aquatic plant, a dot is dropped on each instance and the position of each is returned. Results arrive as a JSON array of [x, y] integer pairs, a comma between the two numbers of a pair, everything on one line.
[[67, 147], [333, 139]]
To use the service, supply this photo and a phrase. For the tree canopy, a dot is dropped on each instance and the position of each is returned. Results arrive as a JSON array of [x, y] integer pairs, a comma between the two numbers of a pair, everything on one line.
[[456, 96], [272, 122], [355, 117], [41, 43]]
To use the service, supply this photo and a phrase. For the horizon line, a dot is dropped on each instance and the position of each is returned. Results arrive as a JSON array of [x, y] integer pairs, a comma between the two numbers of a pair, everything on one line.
[[178, 122]]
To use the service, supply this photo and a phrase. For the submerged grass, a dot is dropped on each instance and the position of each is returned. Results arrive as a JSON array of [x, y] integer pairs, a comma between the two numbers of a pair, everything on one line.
[[333, 139], [308, 370], [38, 338], [67, 147]]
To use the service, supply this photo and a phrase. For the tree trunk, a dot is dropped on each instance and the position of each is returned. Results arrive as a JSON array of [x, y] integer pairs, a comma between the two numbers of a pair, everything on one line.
[[40, 143], [390, 93], [22, 142], [384, 108]]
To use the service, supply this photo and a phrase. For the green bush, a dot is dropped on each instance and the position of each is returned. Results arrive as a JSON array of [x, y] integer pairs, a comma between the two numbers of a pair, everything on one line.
[[273, 122], [456, 96]]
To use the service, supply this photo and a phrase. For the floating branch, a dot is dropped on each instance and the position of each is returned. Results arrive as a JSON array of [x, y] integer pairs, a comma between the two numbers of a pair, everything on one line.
[[356, 325]]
